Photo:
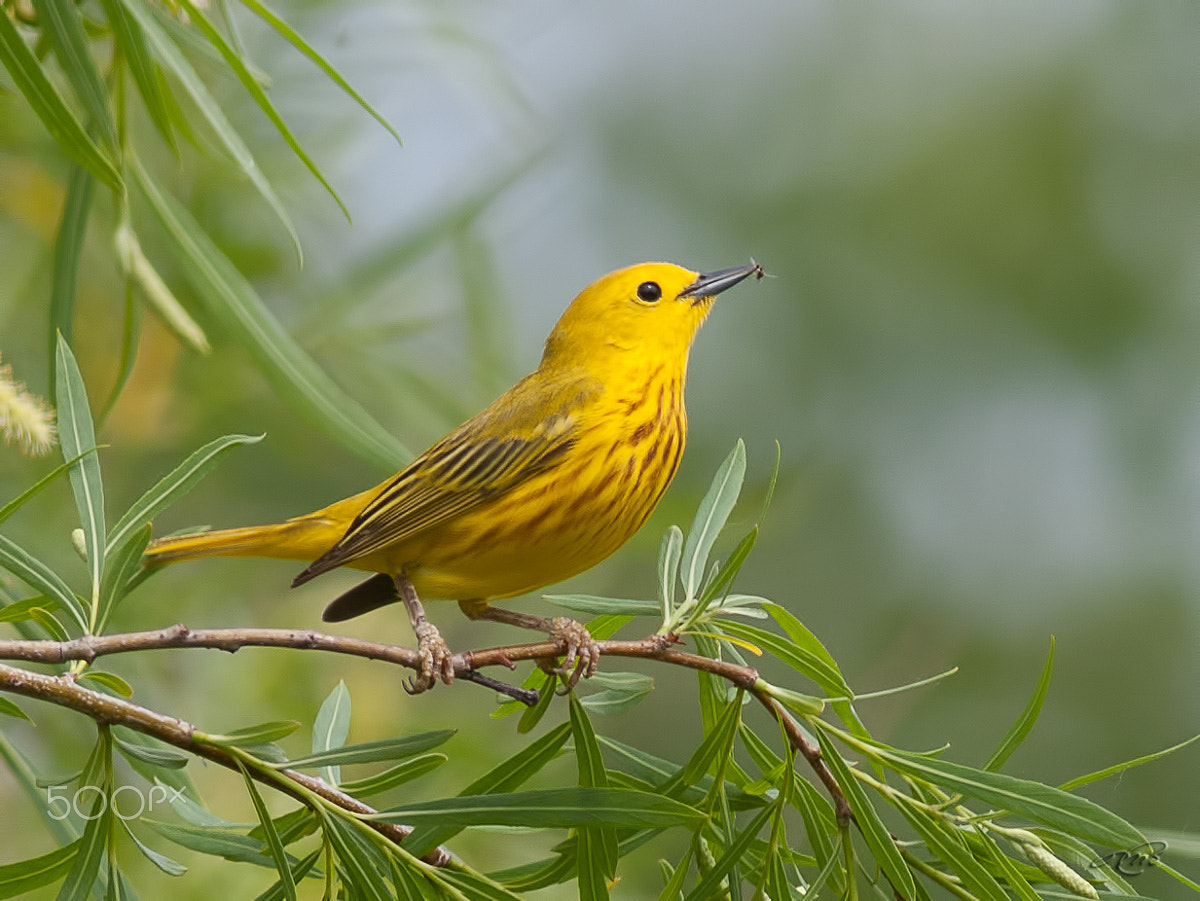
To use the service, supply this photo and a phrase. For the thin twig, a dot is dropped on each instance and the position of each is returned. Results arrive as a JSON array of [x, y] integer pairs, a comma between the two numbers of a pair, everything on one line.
[[466, 664]]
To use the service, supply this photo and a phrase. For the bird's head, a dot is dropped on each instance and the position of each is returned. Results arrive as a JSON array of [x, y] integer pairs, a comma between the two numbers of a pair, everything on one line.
[[652, 310]]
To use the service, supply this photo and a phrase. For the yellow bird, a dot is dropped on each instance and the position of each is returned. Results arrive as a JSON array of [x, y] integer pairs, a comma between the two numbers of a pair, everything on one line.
[[559, 472]]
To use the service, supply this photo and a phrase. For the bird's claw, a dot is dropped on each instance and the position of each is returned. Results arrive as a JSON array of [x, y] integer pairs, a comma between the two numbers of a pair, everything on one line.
[[582, 655], [434, 659]]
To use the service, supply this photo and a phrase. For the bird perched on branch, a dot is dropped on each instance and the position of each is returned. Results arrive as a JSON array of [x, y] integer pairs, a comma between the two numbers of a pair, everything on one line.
[[559, 472]]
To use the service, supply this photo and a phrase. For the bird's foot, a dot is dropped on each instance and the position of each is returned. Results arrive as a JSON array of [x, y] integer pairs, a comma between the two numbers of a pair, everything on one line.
[[435, 662], [582, 655]]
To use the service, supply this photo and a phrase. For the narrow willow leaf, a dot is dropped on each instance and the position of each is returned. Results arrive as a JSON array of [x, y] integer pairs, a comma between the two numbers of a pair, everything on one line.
[[168, 865], [173, 58], [372, 751], [591, 604], [941, 841], [673, 890], [29, 493], [234, 61], [270, 836], [1013, 738], [529, 877], [25, 875], [291, 826], [62, 24], [302, 868], [710, 518], [296, 40], [19, 611], [195, 814], [716, 738], [663, 776], [215, 842], [166, 757], [132, 45], [138, 269], [173, 486], [1004, 864], [505, 776], [49, 623], [531, 716], [596, 854], [878, 839], [1041, 803], [616, 701], [32, 81], [295, 375], [254, 735], [120, 570], [729, 569], [92, 847], [22, 774], [405, 771], [76, 436], [550, 808], [726, 863], [37, 574], [794, 655], [1122, 767], [475, 886], [10, 708], [331, 728], [820, 660], [68, 249], [669, 553], [111, 681], [360, 862]]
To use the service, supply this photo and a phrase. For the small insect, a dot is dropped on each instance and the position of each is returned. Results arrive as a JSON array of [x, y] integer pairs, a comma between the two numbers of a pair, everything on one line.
[[1133, 861]]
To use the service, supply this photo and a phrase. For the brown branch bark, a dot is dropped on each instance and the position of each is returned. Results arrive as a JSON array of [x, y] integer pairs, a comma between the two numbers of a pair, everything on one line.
[[64, 691]]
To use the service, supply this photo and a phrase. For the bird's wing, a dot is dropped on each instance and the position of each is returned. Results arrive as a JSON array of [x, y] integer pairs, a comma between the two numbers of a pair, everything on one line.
[[522, 434]]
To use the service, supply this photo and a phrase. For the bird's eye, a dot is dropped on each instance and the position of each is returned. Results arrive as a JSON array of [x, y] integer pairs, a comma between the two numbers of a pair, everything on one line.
[[649, 292]]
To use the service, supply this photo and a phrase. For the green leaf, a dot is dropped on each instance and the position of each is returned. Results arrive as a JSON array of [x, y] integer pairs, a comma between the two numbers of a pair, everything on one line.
[[29, 569], [371, 751], [10, 708], [92, 847], [625, 691], [505, 776], [299, 871], [669, 553], [137, 269], [331, 728], [271, 837], [550, 808], [234, 61], [111, 681], [26, 875], [476, 887], [214, 842], [878, 839], [360, 862], [29, 493], [172, 487], [730, 568], [48, 104], [254, 735], [716, 739], [173, 58], [1012, 740], [168, 865], [76, 436], [729, 859], [165, 757], [1122, 767], [297, 41], [596, 848], [1041, 803], [120, 571], [297, 378], [1013, 877], [591, 604], [20, 611], [68, 248], [402, 772], [60, 22], [794, 655], [131, 43], [531, 716], [710, 518], [943, 842]]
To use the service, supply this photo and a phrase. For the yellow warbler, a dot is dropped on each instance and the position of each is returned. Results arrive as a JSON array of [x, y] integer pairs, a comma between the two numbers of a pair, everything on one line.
[[549, 480]]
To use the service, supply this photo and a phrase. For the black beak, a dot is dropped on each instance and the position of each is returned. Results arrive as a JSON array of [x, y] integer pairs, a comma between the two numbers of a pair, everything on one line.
[[711, 284]]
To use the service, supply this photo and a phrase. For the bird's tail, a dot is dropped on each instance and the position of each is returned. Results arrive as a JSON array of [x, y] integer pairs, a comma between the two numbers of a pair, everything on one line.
[[298, 539]]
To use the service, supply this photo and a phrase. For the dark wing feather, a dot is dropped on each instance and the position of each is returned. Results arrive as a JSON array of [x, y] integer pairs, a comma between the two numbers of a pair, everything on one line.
[[472, 465]]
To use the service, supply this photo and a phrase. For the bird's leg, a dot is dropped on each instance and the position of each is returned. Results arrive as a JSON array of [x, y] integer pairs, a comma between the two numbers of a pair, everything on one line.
[[582, 654], [432, 650]]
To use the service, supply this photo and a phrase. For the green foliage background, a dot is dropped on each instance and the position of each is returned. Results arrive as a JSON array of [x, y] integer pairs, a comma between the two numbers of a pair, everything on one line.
[[978, 350]]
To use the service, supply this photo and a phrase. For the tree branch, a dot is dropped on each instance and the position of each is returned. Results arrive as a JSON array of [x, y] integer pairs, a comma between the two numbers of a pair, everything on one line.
[[64, 691]]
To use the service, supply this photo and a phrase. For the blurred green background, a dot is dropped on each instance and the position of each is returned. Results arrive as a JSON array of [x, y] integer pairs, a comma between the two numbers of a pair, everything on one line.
[[978, 351]]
